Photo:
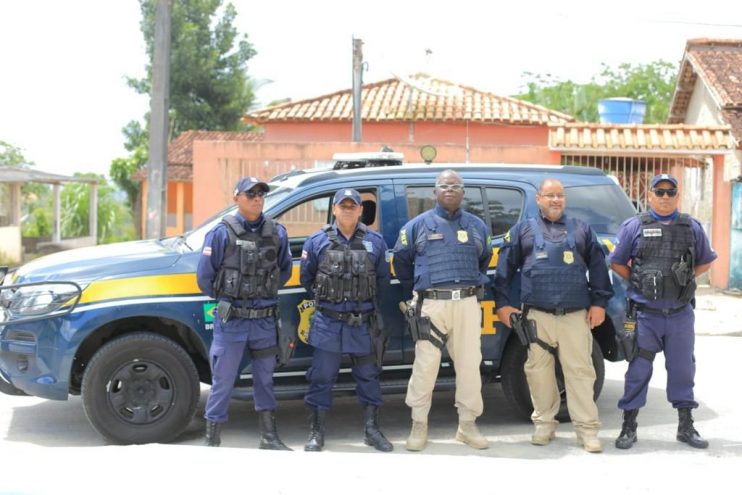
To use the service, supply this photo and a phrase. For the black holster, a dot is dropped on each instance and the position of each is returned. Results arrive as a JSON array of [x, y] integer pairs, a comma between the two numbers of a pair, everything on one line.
[[421, 328], [379, 336], [627, 338], [516, 323], [286, 342]]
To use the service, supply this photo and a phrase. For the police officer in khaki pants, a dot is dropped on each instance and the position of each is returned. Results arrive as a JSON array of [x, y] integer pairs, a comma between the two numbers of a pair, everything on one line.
[[553, 252], [443, 255]]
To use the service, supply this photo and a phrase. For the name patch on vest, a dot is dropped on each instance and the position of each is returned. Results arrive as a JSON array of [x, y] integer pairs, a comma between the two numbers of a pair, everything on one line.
[[568, 257], [462, 235], [368, 245], [542, 255], [651, 232], [437, 236]]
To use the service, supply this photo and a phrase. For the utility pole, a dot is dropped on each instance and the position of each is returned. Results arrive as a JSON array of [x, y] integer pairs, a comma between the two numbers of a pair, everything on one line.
[[159, 105], [357, 85]]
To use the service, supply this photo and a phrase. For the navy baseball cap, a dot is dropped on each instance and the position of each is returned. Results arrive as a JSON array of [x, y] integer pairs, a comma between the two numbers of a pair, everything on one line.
[[660, 177], [247, 183], [347, 194]]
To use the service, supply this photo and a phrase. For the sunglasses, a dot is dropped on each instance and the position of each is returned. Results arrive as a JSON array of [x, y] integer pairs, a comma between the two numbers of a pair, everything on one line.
[[661, 192], [251, 194], [450, 187]]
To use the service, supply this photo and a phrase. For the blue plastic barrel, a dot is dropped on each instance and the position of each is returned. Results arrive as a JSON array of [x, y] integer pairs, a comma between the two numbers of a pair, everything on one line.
[[621, 111]]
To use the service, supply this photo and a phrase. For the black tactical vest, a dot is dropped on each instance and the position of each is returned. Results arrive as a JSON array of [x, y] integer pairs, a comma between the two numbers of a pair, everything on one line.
[[250, 266], [663, 267], [345, 271]]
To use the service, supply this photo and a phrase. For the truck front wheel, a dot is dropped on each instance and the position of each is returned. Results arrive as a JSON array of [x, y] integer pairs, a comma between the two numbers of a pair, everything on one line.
[[515, 385], [140, 388]]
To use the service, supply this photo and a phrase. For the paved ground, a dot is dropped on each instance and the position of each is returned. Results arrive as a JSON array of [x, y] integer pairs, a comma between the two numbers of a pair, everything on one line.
[[48, 446]]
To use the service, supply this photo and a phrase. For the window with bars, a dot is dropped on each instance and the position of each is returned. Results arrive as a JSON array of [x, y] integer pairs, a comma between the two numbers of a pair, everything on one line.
[[633, 173]]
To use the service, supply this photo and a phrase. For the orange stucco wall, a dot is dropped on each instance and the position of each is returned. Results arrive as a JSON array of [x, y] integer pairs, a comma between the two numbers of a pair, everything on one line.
[[417, 133], [720, 225], [217, 165]]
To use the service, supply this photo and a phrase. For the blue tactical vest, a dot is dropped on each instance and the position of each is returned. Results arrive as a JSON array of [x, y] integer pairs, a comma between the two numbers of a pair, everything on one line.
[[663, 266], [250, 266], [452, 255], [554, 274]]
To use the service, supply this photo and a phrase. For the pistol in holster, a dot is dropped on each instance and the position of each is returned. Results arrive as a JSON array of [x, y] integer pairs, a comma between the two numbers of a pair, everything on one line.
[[421, 328], [286, 342], [518, 326], [224, 311], [627, 339], [379, 337]]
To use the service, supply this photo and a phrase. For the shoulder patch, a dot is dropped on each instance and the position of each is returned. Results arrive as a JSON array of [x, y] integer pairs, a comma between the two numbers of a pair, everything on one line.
[[304, 254], [206, 251], [507, 236], [403, 237]]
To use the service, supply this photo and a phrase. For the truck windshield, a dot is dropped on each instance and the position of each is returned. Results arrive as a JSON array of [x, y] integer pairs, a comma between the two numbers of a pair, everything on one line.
[[195, 238], [603, 207]]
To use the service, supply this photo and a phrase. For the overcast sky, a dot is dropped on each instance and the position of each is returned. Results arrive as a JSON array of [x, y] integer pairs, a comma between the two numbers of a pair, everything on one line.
[[64, 99]]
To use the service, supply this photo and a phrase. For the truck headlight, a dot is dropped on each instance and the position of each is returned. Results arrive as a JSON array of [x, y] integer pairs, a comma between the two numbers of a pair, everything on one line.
[[37, 300]]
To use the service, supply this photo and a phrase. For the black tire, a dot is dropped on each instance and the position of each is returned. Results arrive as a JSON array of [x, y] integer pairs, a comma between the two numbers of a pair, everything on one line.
[[515, 386], [9, 389], [140, 388]]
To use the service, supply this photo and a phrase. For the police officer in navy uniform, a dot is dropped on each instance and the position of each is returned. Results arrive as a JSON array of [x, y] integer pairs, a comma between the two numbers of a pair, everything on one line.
[[553, 252], [344, 267], [660, 253], [244, 261], [443, 254]]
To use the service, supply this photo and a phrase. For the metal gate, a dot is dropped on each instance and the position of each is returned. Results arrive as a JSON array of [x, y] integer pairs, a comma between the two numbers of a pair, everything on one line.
[[735, 248], [634, 173]]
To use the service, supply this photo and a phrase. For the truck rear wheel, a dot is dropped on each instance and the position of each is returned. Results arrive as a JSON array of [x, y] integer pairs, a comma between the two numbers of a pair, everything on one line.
[[515, 386], [140, 388]]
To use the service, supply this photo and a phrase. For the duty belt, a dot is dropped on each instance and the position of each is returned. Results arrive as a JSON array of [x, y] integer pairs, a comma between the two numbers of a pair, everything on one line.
[[663, 311], [252, 313], [353, 319], [452, 294], [557, 311]]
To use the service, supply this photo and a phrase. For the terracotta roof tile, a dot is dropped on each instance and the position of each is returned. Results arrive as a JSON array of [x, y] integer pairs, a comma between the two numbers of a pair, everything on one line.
[[718, 63], [645, 138], [180, 151], [419, 98]]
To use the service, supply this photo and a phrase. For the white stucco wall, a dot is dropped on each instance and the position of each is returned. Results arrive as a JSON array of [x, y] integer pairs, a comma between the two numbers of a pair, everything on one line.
[[10, 244]]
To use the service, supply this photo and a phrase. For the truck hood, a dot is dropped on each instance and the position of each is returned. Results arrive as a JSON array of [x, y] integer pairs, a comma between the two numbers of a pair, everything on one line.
[[84, 265]]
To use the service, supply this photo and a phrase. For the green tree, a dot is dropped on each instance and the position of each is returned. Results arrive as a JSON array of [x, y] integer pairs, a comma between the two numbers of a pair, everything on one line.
[[209, 85], [654, 83], [114, 220]]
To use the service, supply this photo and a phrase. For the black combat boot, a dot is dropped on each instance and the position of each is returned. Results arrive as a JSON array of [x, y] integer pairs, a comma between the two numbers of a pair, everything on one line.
[[268, 435], [374, 436], [316, 430], [686, 432], [213, 431], [627, 438]]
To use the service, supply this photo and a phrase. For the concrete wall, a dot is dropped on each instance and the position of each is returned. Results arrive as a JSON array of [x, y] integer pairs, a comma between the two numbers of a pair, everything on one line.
[[217, 165], [10, 244]]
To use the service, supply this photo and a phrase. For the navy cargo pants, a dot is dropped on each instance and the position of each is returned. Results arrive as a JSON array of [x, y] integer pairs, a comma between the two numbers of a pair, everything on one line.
[[225, 356], [674, 335], [323, 374]]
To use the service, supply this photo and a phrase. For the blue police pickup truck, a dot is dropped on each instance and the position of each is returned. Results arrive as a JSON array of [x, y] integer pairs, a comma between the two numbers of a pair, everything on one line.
[[126, 326]]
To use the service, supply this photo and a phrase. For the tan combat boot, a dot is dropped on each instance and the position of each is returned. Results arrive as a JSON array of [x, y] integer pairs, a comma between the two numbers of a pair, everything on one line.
[[543, 434], [589, 442], [469, 434], [418, 436]]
